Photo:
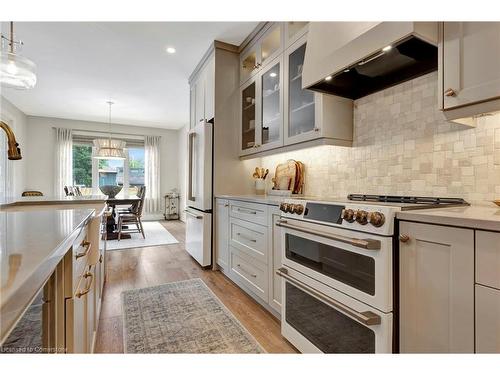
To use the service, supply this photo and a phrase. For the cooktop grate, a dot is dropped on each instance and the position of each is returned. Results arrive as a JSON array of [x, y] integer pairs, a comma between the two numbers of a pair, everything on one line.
[[407, 199]]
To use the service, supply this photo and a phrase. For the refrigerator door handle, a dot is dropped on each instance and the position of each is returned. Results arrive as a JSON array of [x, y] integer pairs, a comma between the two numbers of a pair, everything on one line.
[[191, 136]]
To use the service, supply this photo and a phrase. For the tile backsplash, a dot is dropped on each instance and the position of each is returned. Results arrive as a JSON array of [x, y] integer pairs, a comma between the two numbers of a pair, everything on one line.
[[403, 145]]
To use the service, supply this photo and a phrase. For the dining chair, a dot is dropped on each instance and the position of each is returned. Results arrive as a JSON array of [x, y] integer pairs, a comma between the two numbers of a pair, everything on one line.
[[132, 207], [68, 191], [77, 191], [133, 217], [32, 193]]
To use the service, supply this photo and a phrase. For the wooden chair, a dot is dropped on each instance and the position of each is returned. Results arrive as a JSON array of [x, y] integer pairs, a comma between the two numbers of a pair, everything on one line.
[[68, 190], [77, 191], [133, 206], [32, 193], [133, 217]]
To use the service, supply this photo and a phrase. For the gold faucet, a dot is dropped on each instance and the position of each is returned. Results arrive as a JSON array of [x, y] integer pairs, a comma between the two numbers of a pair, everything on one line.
[[14, 152]]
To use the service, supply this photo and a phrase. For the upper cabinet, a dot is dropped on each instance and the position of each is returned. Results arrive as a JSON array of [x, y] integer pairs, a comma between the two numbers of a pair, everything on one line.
[[202, 94], [277, 112], [469, 61], [260, 52]]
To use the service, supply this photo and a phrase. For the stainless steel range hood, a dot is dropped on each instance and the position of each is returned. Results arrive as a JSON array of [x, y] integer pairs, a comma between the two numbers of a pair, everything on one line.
[[355, 59]]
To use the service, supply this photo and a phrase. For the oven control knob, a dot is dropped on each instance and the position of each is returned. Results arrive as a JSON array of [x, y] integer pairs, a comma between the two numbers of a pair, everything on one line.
[[348, 215], [283, 207], [297, 209], [362, 217], [377, 219]]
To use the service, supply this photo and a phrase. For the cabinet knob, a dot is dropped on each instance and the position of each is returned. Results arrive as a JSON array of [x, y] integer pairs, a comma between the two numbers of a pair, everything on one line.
[[450, 92], [316, 129], [404, 237]]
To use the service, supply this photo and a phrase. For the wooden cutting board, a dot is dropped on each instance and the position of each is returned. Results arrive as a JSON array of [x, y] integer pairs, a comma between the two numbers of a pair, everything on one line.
[[289, 176]]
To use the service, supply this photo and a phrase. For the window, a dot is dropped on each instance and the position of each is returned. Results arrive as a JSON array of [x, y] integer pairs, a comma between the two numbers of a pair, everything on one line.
[[135, 168], [82, 167], [89, 174]]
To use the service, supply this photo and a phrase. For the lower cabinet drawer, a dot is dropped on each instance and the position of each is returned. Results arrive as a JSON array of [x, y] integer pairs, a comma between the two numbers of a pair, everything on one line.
[[250, 273], [253, 212], [487, 320], [249, 238]]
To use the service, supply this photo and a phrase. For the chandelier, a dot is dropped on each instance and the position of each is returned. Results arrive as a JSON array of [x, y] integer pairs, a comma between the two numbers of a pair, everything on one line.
[[108, 148]]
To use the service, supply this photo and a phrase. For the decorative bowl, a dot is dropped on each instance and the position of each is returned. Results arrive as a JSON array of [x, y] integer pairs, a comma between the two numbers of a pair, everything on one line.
[[110, 190], [497, 202]]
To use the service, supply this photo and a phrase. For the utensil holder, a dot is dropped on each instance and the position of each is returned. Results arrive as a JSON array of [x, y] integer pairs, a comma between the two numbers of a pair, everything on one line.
[[260, 186]]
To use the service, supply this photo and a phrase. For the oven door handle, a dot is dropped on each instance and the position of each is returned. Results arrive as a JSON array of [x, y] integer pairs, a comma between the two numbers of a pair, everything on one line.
[[367, 244], [368, 318]]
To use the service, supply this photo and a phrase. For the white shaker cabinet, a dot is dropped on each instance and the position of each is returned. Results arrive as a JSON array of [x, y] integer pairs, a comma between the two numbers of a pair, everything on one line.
[[487, 320], [222, 233], [202, 93], [436, 289], [469, 60]]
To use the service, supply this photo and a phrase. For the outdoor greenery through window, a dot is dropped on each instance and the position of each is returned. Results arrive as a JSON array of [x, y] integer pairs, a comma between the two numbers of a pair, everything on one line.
[[109, 172]]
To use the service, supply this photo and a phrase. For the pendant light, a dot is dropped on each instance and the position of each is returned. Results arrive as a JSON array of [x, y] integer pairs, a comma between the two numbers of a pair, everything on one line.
[[108, 148], [16, 71]]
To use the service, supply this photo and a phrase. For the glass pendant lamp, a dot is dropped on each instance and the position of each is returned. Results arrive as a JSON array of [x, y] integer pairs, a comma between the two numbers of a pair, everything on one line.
[[108, 148], [16, 71]]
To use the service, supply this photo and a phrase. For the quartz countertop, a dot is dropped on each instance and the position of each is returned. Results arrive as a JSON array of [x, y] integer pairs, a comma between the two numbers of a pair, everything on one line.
[[476, 216], [51, 200], [273, 200], [32, 243]]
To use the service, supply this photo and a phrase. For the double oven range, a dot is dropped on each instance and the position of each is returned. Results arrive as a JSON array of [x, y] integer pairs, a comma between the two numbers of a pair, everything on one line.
[[340, 271]]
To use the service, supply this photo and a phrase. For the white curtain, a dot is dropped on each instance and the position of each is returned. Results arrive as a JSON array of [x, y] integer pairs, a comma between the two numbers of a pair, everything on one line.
[[152, 203], [63, 160]]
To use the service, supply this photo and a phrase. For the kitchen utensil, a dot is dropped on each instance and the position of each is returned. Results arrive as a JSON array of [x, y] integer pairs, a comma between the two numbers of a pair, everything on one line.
[[497, 202], [265, 174]]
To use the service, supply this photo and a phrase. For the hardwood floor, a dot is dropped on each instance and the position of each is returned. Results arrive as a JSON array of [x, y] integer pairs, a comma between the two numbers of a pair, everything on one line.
[[148, 266]]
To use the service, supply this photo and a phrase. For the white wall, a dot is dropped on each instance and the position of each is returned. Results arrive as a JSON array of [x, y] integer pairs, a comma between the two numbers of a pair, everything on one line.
[[182, 142], [17, 120], [41, 139]]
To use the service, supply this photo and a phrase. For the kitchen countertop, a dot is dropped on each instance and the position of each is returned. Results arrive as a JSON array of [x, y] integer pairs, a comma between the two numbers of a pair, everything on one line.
[[32, 243], [51, 200], [477, 216], [273, 200]]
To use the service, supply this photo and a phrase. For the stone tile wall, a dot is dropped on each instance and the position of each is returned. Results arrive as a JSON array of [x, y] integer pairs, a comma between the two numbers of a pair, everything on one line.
[[403, 145]]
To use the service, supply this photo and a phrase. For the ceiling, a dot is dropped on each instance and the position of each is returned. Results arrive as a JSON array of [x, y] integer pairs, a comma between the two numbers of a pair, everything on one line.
[[81, 65]]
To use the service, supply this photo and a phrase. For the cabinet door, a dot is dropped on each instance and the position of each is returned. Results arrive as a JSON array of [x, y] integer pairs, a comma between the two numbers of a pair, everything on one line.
[[487, 320], [192, 106], [275, 261], [436, 289], [271, 44], [271, 106], [199, 99], [222, 233], [249, 64], [294, 30], [210, 89], [301, 107], [248, 117], [471, 60]]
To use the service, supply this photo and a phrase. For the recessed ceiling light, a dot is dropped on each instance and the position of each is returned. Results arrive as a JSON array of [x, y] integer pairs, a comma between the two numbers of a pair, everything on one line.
[[328, 78], [170, 49], [273, 74], [387, 48]]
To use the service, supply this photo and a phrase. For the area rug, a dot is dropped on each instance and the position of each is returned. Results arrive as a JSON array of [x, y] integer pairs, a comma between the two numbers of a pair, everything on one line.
[[181, 317], [156, 234]]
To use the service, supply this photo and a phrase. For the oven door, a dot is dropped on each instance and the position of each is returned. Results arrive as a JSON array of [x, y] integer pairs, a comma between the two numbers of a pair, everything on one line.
[[319, 319], [357, 264]]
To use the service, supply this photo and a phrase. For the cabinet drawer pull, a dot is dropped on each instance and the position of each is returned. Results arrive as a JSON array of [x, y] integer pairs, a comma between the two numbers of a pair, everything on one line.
[[244, 270], [450, 92], [87, 246], [404, 237], [247, 211], [246, 237], [90, 276]]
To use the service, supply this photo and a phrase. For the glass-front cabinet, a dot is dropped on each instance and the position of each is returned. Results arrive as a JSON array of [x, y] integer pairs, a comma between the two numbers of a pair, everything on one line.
[[271, 99], [262, 110], [248, 105], [301, 115], [261, 52], [294, 30]]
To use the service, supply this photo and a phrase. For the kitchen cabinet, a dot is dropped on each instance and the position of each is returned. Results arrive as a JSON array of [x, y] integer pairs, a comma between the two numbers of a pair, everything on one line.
[[487, 320], [294, 30], [267, 46], [488, 258], [276, 112], [436, 289], [275, 260], [310, 115], [469, 57], [222, 233], [202, 94], [261, 116]]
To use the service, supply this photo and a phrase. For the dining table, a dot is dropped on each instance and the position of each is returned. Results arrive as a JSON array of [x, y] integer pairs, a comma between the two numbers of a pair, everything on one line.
[[122, 199]]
